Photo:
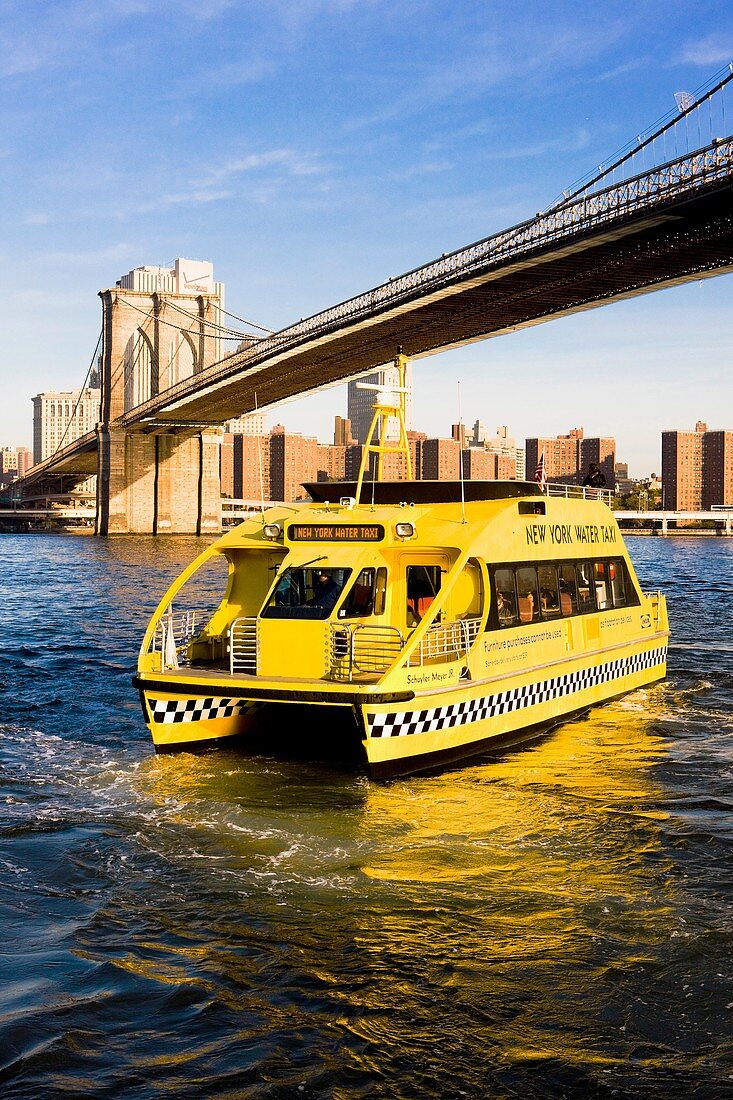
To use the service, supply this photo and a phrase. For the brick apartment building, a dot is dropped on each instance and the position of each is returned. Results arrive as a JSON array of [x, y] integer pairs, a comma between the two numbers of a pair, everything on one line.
[[697, 468], [567, 457]]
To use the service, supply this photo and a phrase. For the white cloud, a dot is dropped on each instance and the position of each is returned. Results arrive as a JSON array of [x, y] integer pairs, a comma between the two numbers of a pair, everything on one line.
[[711, 50]]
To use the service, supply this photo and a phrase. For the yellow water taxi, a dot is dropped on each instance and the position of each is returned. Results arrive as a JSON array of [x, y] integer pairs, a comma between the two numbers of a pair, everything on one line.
[[408, 625]]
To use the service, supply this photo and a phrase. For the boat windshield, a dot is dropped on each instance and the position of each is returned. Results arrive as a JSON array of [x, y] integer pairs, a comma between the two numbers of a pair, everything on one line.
[[304, 593]]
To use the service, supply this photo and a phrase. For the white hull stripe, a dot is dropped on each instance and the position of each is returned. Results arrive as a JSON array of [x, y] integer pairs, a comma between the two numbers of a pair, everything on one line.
[[168, 711], [490, 706]]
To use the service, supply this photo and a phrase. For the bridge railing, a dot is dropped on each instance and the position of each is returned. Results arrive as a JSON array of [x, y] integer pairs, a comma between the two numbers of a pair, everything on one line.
[[647, 190], [701, 167]]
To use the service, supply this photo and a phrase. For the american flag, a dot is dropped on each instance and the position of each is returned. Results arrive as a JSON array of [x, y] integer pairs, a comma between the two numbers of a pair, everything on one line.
[[539, 475]]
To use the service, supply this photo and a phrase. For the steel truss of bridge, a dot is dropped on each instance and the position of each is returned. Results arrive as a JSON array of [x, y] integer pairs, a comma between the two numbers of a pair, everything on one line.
[[666, 226]]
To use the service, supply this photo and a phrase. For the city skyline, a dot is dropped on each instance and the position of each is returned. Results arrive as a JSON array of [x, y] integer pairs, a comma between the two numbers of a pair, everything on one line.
[[301, 197]]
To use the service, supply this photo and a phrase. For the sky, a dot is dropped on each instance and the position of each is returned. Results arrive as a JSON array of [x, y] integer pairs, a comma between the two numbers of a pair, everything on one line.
[[311, 150]]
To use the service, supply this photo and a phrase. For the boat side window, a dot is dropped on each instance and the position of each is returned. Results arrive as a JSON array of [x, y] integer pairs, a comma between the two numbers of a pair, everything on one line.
[[423, 585], [568, 590], [632, 592], [527, 596], [600, 577], [616, 578], [549, 595], [586, 591], [506, 597], [302, 593], [366, 595]]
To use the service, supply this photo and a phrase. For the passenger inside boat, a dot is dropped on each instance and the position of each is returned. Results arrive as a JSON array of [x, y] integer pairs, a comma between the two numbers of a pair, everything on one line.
[[423, 585], [303, 593], [325, 591]]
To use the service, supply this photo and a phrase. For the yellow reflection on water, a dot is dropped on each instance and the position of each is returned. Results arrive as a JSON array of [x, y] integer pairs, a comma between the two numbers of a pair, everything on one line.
[[509, 912]]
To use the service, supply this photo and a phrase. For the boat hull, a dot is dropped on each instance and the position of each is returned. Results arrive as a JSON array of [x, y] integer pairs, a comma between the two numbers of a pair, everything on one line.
[[441, 728], [395, 734]]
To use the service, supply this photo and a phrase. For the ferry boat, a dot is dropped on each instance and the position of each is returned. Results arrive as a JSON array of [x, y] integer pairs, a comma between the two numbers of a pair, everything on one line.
[[408, 625]]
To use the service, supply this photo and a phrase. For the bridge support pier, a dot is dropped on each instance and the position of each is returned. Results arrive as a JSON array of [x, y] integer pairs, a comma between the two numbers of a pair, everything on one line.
[[158, 484]]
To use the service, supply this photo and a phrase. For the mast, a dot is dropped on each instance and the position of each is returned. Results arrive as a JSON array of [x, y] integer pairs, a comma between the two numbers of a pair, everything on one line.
[[389, 401]]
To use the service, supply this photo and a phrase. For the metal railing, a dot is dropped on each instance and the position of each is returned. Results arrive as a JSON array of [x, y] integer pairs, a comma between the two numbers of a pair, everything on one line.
[[645, 191], [446, 641], [580, 492], [356, 649], [657, 602], [174, 631], [244, 647]]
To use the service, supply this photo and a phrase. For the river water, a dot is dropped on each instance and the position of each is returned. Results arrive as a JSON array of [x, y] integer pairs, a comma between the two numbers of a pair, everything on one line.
[[554, 923]]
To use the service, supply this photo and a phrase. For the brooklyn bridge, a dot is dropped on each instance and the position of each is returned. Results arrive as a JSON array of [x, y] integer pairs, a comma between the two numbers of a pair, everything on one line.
[[658, 214]]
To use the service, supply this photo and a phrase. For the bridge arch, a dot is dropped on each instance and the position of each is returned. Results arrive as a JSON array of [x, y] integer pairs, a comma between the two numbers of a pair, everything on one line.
[[138, 361], [182, 359]]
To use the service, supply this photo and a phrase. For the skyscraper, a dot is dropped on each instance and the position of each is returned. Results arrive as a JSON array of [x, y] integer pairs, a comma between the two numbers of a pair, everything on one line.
[[60, 418]]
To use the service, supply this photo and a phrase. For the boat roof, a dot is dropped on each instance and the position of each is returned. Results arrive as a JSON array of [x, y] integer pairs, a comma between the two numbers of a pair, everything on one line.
[[420, 492]]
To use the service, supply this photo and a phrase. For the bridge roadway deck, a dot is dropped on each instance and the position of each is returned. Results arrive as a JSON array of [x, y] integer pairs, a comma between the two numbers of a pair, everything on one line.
[[669, 226]]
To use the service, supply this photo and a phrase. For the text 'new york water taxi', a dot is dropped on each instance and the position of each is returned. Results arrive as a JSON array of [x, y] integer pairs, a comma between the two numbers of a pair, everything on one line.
[[406, 624]]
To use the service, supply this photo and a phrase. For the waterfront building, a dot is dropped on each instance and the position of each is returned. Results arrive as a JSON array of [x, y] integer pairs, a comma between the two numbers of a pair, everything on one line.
[[479, 464], [441, 459], [293, 460], [600, 450], [61, 417], [567, 457], [360, 403], [562, 456], [245, 466], [416, 441], [458, 431], [226, 464], [14, 462], [682, 468], [717, 469], [332, 461]]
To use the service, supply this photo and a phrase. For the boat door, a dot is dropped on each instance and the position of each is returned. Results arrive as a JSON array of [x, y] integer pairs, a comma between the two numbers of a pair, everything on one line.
[[422, 577]]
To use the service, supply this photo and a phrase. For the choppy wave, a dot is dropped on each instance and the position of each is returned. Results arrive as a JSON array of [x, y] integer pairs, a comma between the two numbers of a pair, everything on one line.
[[555, 923]]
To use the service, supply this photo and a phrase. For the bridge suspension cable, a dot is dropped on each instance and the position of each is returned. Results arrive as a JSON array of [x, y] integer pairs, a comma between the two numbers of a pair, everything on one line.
[[686, 104], [81, 392]]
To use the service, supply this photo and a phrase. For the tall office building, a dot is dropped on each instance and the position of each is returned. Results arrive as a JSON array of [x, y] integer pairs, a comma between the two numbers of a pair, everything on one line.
[[342, 434], [360, 403], [60, 418], [14, 462]]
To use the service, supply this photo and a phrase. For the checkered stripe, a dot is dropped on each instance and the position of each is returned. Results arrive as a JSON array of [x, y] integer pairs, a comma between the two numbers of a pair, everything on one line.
[[168, 711], [490, 706]]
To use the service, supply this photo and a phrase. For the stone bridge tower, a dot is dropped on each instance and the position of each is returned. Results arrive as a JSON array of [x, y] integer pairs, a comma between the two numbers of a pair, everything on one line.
[[159, 327]]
